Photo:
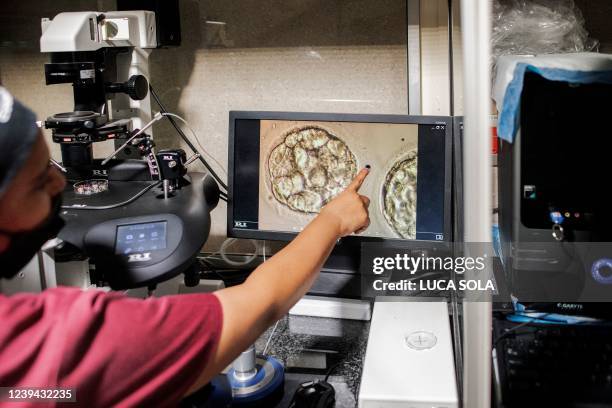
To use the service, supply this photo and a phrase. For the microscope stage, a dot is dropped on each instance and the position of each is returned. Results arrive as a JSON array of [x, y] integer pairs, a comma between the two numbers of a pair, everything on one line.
[[135, 236]]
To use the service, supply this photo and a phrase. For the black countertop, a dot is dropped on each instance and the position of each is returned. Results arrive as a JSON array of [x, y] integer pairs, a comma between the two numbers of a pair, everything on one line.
[[311, 347]]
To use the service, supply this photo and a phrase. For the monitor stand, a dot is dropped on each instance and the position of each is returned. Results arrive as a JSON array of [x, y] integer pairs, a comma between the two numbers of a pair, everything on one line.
[[337, 291]]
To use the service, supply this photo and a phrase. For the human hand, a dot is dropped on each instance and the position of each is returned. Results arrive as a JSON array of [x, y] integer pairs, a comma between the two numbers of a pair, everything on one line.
[[349, 209]]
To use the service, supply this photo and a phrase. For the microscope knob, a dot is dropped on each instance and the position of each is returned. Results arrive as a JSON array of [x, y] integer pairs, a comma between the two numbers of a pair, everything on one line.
[[137, 87]]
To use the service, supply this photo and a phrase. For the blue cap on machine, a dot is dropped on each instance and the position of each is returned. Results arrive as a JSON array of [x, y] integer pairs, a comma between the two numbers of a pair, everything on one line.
[[18, 133]]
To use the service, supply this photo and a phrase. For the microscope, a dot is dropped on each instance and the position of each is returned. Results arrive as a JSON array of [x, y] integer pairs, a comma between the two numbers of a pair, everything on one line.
[[138, 216]]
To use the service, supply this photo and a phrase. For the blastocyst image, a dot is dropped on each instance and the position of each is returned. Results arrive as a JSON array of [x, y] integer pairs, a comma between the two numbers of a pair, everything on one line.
[[309, 167], [399, 196]]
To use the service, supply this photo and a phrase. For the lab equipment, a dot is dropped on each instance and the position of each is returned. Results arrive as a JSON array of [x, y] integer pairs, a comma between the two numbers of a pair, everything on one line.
[[167, 19], [409, 358], [256, 380], [137, 216], [89, 187], [284, 166]]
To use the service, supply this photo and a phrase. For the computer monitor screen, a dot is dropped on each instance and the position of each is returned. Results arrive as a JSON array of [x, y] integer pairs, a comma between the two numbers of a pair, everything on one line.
[[284, 167]]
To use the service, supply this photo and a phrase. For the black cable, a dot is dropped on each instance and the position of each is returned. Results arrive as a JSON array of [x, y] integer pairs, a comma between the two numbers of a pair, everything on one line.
[[207, 267], [512, 330], [186, 139], [332, 368]]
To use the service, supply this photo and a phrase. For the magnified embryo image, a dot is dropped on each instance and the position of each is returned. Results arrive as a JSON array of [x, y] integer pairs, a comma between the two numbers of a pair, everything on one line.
[[304, 164], [309, 167], [399, 196]]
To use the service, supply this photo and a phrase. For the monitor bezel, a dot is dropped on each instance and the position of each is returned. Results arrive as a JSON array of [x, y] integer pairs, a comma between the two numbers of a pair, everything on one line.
[[340, 117]]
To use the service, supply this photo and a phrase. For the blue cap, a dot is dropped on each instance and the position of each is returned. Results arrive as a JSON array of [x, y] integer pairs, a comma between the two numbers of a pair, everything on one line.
[[18, 134]]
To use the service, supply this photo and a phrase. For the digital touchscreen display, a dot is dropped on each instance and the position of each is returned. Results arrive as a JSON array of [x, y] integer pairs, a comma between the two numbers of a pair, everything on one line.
[[149, 236]]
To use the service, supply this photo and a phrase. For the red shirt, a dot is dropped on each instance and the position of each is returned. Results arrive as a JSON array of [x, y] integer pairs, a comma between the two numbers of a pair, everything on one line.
[[113, 350]]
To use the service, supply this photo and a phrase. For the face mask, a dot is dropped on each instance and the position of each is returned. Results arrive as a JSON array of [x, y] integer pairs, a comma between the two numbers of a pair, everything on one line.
[[24, 245]]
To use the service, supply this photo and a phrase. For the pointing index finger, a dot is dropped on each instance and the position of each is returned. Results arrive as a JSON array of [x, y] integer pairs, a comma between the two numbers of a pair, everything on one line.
[[358, 180]]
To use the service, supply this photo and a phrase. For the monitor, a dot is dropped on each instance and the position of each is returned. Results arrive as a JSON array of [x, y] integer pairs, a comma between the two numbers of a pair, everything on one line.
[[283, 167]]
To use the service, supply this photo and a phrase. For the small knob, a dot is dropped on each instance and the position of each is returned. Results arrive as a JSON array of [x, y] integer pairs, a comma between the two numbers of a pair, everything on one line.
[[137, 87]]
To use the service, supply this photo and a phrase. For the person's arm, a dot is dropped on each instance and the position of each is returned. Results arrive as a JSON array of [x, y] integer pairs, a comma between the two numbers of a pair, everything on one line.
[[276, 285]]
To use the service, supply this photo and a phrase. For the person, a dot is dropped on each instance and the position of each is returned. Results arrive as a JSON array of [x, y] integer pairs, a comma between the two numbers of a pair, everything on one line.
[[119, 351]]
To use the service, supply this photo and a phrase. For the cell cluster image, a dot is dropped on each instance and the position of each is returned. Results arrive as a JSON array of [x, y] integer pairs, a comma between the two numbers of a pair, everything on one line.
[[310, 167]]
